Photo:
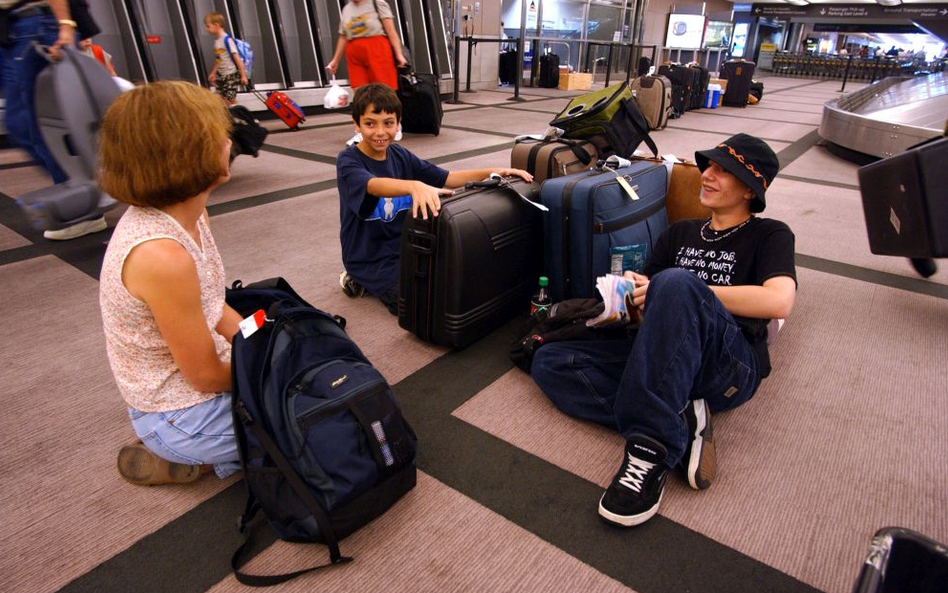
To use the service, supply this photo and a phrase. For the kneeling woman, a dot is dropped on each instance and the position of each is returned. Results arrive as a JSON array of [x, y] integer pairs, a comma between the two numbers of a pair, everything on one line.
[[163, 148]]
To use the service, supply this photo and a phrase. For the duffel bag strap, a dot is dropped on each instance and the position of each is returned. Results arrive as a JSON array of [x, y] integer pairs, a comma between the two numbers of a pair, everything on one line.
[[638, 120], [322, 520]]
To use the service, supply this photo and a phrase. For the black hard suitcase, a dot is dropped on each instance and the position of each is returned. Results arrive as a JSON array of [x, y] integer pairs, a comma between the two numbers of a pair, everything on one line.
[[645, 63], [472, 267], [903, 561], [905, 200], [421, 102], [738, 74], [549, 71], [701, 80], [682, 79]]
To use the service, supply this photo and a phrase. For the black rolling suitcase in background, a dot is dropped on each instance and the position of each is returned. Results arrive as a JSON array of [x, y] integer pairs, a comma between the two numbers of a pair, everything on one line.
[[507, 70], [701, 80], [549, 71], [421, 102], [472, 267], [645, 63], [738, 74], [682, 79], [905, 200]]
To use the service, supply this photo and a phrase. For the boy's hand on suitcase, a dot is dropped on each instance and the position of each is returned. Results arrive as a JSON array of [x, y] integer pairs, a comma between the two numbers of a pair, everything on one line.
[[425, 197], [525, 175]]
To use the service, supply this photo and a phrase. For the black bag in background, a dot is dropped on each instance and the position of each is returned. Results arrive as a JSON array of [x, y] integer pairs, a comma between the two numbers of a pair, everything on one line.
[[644, 64], [247, 135], [562, 322], [549, 71], [421, 102]]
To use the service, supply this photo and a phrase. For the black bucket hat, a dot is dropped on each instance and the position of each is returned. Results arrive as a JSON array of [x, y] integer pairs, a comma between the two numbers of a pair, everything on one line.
[[749, 159]]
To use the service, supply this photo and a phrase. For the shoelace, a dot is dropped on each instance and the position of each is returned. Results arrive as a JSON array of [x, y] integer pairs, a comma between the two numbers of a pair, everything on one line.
[[635, 473]]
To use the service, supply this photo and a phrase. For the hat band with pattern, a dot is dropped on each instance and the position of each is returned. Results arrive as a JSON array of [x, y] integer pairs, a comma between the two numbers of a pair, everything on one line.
[[747, 165]]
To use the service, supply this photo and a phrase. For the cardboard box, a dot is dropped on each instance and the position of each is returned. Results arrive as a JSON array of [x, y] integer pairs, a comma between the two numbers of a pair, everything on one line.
[[576, 81], [720, 81]]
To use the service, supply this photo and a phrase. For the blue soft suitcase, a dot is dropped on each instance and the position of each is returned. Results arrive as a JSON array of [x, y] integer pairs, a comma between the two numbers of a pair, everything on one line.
[[590, 213]]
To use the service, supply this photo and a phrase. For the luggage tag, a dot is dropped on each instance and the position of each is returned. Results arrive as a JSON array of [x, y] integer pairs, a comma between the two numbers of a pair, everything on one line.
[[508, 185], [614, 163], [251, 324]]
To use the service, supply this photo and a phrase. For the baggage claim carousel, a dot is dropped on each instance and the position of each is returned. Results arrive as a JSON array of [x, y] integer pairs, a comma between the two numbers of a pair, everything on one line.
[[887, 117]]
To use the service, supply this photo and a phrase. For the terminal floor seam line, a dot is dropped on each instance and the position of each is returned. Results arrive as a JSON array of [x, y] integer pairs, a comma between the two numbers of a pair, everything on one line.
[[20, 165], [448, 448], [822, 182], [299, 154], [694, 131], [906, 283]]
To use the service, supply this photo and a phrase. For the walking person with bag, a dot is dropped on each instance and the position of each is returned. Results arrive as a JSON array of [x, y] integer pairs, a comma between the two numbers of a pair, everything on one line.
[[25, 25], [373, 50], [164, 148], [228, 72], [707, 294]]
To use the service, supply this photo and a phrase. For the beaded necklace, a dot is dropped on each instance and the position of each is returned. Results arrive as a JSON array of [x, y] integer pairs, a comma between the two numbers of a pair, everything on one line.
[[707, 225]]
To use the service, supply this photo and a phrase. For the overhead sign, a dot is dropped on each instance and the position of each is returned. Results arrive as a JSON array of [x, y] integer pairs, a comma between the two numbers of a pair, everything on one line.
[[875, 11]]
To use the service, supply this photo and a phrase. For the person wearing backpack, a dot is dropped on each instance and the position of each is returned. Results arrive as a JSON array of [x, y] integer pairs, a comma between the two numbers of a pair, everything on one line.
[[164, 147], [228, 71]]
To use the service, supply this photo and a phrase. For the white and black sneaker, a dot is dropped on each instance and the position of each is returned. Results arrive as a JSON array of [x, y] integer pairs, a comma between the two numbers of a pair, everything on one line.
[[637, 488], [699, 461], [349, 286]]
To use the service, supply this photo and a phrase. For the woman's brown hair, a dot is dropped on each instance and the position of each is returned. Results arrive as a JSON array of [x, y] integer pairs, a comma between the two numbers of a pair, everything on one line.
[[161, 144]]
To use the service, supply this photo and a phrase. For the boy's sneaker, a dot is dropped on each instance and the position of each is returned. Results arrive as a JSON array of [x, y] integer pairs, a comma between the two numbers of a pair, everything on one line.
[[75, 231], [637, 488], [699, 461], [354, 140], [349, 286]]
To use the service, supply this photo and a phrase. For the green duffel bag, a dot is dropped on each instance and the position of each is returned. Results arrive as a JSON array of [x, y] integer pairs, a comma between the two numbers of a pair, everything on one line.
[[609, 118]]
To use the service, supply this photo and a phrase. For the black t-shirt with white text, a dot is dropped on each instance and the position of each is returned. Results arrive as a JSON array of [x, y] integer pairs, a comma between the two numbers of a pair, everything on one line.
[[761, 249]]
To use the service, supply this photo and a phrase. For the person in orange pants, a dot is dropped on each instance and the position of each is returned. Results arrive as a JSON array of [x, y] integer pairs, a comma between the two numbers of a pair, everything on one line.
[[368, 38]]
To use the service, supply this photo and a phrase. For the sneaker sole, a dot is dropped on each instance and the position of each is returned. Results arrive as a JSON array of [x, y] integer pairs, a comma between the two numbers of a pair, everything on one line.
[[702, 463], [629, 520], [77, 230]]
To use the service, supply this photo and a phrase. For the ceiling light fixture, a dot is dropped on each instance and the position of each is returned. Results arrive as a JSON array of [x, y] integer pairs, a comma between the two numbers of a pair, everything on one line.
[[888, 2], [797, 2]]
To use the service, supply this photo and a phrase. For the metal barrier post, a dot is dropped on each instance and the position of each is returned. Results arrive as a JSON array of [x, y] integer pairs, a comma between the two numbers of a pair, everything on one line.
[[470, 44], [457, 67], [849, 63], [609, 63], [875, 69], [519, 79]]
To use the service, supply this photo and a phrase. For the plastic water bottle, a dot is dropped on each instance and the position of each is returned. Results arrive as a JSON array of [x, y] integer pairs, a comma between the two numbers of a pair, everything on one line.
[[541, 300]]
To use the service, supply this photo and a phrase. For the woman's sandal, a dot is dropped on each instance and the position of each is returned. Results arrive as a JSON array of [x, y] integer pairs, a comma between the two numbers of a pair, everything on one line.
[[140, 466]]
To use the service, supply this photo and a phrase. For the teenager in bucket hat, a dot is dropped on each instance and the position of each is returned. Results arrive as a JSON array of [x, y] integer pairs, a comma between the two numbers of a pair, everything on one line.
[[707, 293]]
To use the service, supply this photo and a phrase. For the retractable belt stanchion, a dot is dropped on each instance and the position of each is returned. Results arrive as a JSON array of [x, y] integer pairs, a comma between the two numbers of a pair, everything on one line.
[[849, 63], [472, 41]]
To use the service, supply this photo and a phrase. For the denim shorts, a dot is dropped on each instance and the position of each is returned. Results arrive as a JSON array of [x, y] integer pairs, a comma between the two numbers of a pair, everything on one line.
[[200, 434]]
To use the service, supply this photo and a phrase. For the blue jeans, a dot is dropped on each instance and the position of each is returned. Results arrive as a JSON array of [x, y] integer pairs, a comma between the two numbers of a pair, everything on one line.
[[688, 347], [20, 67], [202, 433]]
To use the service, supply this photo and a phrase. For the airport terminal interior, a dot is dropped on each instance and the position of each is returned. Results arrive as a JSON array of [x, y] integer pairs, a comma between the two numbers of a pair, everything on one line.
[[848, 435]]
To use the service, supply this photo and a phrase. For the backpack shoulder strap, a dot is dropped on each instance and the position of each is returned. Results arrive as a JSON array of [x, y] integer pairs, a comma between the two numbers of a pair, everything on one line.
[[293, 479]]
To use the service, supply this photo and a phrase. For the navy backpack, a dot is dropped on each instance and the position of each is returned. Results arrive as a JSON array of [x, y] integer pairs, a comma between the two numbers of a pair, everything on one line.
[[323, 445]]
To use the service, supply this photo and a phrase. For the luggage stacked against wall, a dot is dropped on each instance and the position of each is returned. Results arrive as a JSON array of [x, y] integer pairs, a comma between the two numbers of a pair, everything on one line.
[[654, 97], [549, 70], [702, 76], [682, 80]]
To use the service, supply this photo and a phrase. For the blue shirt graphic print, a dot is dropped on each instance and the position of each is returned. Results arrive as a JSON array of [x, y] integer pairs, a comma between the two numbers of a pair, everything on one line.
[[388, 208]]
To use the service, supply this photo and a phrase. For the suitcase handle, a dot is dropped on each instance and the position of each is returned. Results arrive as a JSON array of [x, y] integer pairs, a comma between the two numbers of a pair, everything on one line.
[[416, 240]]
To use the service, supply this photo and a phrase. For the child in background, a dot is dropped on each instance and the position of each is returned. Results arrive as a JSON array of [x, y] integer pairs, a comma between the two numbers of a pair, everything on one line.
[[378, 183], [228, 71], [101, 56]]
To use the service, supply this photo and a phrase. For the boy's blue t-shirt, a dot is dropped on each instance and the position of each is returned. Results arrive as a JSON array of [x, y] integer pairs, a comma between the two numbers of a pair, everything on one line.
[[371, 227]]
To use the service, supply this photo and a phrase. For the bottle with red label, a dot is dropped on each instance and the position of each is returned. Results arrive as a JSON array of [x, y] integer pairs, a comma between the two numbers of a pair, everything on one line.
[[541, 300]]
